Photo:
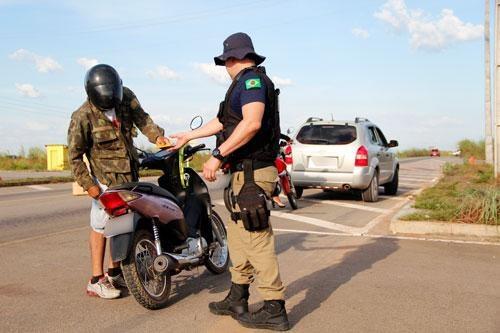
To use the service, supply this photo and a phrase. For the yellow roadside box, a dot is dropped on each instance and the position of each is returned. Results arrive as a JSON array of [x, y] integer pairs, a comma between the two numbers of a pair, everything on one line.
[[57, 157]]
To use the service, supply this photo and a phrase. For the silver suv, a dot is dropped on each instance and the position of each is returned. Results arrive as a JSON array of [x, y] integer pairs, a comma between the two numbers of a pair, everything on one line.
[[343, 155]]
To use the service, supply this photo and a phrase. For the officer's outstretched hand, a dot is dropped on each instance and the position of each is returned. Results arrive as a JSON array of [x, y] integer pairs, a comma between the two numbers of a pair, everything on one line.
[[182, 139], [210, 167]]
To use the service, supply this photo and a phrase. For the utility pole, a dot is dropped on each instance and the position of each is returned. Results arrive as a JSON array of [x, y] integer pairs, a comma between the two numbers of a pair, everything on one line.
[[487, 100], [497, 90]]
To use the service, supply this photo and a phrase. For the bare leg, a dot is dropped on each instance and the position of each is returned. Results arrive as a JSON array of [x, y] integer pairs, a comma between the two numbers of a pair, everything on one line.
[[97, 244]]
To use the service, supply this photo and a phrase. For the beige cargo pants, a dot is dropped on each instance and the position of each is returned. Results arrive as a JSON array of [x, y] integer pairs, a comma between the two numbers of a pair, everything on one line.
[[252, 252]]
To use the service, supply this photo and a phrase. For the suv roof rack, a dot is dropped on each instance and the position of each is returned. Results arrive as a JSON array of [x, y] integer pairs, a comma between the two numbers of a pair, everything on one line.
[[313, 119], [359, 119]]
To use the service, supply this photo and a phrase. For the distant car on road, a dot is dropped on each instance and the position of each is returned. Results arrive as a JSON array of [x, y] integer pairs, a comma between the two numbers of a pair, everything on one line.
[[343, 155], [456, 153], [435, 152]]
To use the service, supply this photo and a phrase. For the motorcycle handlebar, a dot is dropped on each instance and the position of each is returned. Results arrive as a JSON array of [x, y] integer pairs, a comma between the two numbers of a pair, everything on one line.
[[192, 150]]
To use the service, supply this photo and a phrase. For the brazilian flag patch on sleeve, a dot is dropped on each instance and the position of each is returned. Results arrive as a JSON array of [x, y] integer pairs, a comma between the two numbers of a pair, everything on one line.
[[252, 84]]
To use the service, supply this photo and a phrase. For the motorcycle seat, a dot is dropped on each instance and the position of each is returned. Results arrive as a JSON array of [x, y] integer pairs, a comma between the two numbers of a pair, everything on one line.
[[147, 188]]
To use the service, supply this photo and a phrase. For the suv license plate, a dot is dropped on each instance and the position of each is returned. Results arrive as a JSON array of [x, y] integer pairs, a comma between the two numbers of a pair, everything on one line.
[[322, 162]]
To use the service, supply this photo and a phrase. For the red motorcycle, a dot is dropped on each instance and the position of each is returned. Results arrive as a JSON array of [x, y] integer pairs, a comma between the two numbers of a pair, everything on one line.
[[285, 183]]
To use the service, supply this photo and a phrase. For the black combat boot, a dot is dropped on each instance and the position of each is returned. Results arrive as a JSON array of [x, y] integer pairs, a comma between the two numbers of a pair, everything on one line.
[[271, 316], [235, 303]]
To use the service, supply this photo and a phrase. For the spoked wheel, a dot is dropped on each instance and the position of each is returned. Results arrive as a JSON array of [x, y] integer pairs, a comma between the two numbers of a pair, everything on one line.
[[150, 289], [218, 254]]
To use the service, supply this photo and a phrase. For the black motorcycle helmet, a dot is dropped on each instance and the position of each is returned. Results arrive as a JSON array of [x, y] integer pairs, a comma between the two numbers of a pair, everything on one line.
[[104, 87]]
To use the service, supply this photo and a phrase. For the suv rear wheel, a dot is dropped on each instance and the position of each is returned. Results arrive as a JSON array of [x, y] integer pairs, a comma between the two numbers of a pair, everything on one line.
[[298, 191], [392, 187], [371, 193]]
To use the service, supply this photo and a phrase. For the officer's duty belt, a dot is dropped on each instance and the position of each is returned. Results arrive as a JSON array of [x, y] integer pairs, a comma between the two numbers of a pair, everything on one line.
[[256, 165]]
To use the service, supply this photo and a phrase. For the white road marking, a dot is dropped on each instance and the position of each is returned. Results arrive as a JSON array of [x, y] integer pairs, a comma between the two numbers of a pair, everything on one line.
[[348, 205], [390, 197], [409, 185], [316, 222], [409, 179], [39, 188], [332, 225], [456, 241], [308, 220]]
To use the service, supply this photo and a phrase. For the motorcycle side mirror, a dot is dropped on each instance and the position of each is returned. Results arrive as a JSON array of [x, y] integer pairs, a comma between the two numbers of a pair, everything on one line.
[[283, 143], [196, 122]]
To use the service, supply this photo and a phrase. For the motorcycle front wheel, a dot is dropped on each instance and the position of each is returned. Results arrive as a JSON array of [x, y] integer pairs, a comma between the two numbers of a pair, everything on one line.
[[218, 253], [150, 289]]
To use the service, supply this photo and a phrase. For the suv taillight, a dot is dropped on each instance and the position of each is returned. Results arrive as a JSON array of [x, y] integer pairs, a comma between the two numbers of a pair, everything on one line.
[[115, 203], [361, 157], [288, 154]]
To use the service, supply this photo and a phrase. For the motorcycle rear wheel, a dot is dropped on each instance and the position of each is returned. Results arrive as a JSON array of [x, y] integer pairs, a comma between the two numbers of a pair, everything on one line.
[[218, 257], [149, 288], [292, 199], [292, 194]]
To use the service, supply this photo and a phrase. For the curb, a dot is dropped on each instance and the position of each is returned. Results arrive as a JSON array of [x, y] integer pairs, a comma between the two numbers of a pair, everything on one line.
[[440, 228]]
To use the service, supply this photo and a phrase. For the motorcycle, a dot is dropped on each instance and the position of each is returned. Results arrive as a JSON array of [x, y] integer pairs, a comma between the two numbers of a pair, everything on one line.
[[285, 183], [148, 231]]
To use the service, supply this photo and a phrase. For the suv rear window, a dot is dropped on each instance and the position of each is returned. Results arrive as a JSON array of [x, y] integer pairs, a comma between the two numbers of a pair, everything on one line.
[[326, 134]]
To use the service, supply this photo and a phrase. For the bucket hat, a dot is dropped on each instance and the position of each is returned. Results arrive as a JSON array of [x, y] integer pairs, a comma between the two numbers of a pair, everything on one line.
[[239, 46]]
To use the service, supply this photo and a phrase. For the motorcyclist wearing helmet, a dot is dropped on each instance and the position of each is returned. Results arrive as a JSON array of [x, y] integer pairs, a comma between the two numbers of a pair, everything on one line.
[[102, 130]]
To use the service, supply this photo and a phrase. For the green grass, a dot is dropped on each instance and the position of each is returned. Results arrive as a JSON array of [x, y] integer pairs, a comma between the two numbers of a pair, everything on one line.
[[413, 152], [466, 194], [198, 159], [470, 148], [35, 159]]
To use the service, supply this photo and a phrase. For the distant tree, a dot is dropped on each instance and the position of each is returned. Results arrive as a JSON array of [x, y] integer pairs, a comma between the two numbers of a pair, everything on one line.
[[36, 153], [22, 152]]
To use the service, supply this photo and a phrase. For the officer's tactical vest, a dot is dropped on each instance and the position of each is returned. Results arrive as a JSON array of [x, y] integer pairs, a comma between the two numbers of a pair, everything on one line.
[[264, 146]]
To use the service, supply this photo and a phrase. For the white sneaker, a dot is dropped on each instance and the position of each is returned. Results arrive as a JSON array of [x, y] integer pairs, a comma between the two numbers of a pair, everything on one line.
[[117, 281], [103, 288]]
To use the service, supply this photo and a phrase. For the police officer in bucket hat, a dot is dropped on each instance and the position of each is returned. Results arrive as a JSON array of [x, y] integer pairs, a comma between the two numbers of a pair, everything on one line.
[[247, 130]]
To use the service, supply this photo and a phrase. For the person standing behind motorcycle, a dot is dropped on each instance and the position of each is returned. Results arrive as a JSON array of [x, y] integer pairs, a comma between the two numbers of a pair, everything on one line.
[[249, 123], [102, 130]]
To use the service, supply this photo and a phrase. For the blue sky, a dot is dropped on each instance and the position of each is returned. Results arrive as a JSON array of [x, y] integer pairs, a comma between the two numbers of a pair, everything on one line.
[[413, 67]]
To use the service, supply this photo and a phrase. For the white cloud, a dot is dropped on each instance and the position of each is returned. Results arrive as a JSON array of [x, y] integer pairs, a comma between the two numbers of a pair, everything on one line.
[[216, 73], [163, 72], [27, 90], [87, 63], [42, 64], [425, 31], [360, 33], [278, 81]]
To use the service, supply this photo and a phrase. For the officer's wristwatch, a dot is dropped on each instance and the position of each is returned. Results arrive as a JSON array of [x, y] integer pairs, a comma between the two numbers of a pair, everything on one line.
[[217, 155]]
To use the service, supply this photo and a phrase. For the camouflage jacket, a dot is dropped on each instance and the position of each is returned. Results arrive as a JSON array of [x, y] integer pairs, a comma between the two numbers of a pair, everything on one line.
[[109, 149]]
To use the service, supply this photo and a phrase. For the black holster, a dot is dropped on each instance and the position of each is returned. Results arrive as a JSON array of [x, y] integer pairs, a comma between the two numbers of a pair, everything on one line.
[[252, 201]]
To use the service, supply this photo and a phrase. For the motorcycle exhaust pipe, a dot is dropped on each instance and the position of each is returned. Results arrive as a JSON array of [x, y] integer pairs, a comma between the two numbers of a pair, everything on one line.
[[346, 187], [164, 263]]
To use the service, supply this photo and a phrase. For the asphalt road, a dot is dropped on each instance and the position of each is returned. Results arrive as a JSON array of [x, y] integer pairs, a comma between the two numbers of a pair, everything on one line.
[[343, 271]]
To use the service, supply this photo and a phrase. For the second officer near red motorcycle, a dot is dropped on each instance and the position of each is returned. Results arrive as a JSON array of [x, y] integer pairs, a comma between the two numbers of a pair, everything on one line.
[[248, 128]]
